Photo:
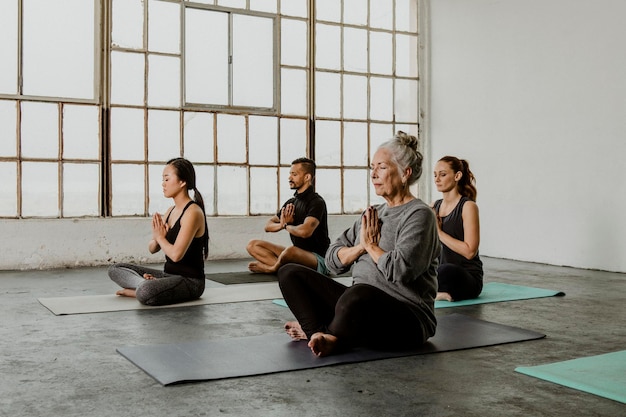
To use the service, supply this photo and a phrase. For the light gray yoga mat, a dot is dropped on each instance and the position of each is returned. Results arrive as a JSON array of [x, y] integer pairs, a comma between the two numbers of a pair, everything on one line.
[[205, 360]]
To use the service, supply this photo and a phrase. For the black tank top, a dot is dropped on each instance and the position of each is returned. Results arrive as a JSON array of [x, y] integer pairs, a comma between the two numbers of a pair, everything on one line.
[[192, 263]]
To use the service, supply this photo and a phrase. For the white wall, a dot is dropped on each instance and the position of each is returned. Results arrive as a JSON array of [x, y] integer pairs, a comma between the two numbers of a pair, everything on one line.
[[533, 94]]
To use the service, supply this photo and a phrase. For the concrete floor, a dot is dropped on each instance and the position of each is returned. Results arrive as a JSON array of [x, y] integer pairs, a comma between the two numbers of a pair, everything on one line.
[[67, 365]]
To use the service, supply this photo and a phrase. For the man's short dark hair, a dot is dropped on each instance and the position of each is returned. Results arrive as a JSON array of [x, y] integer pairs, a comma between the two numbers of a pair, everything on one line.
[[307, 164]]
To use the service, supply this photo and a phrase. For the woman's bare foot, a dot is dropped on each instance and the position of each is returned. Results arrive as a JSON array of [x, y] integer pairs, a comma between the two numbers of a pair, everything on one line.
[[294, 330], [260, 268], [322, 344], [126, 292], [443, 296]]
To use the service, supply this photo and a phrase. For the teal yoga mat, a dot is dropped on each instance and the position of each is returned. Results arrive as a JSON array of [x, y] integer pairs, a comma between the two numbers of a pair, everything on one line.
[[493, 292], [602, 375]]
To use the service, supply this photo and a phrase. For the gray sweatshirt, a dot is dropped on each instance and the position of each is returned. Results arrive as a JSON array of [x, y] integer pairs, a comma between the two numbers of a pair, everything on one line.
[[408, 269]]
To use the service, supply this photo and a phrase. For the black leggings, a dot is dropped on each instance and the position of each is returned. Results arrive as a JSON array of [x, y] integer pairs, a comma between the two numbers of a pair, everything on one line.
[[360, 315], [457, 282]]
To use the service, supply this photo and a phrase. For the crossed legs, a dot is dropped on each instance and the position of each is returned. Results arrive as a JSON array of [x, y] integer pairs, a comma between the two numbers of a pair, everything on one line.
[[270, 256]]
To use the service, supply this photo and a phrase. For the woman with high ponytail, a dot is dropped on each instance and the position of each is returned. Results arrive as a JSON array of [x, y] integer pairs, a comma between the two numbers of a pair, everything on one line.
[[460, 272], [182, 234]]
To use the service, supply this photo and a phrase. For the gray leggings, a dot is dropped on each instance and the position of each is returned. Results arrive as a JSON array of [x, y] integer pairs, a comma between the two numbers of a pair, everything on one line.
[[165, 289]]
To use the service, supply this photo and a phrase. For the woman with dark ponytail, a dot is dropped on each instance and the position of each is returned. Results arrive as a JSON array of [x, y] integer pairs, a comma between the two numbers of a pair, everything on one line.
[[182, 234], [460, 273]]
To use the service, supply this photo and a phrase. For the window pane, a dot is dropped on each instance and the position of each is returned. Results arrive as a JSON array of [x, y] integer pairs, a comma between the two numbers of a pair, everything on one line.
[[127, 24], [81, 132], [40, 130], [253, 61], [263, 190], [264, 5], [355, 144], [381, 98], [379, 133], [293, 92], [8, 198], [127, 135], [163, 135], [406, 15], [198, 133], [127, 78], [381, 14], [328, 47], [163, 27], [355, 190], [406, 55], [411, 129], [355, 50], [406, 101], [206, 52], [205, 183], [293, 136], [40, 189], [231, 138], [241, 4], [8, 121], [327, 88], [327, 143], [232, 190], [128, 190], [157, 203], [354, 97], [64, 47], [355, 12], [329, 10], [381, 53], [263, 140], [294, 7], [81, 190], [163, 81], [294, 44], [284, 192], [8, 47], [328, 185]]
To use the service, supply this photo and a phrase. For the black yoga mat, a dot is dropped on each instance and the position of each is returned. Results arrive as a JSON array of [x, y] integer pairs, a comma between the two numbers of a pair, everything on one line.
[[240, 277], [216, 359]]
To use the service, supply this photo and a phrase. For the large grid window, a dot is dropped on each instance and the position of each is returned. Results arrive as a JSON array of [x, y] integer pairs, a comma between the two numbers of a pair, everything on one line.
[[239, 87]]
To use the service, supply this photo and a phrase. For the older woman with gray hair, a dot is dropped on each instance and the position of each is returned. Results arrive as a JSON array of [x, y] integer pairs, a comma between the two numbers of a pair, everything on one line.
[[392, 250]]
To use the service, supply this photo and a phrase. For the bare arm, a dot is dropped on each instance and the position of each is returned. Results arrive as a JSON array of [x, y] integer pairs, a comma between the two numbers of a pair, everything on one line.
[[191, 225], [468, 247], [153, 246], [305, 229]]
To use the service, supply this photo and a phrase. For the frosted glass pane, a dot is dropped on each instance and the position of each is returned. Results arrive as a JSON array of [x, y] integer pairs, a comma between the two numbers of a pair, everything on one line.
[[293, 92], [329, 10], [81, 190], [205, 183], [206, 57], [128, 190], [263, 190], [163, 81], [40, 130], [163, 27], [64, 47], [127, 24], [231, 138], [241, 4], [355, 12], [327, 89], [355, 144], [328, 185], [232, 190], [355, 50], [40, 189], [411, 129], [263, 140], [381, 53], [379, 133], [381, 14], [294, 7], [293, 44], [293, 135], [8, 122], [264, 5], [163, 135], [81, 132], [406, 101], [8, 47], [198, 134], [127, 78], [327, 143], [284, 192], [157, 203], [354, 97], [8, 198], [406, 55], [127, 134], [253, 61], [381, 99], [406, 15], [328, 47], [355, 190]]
